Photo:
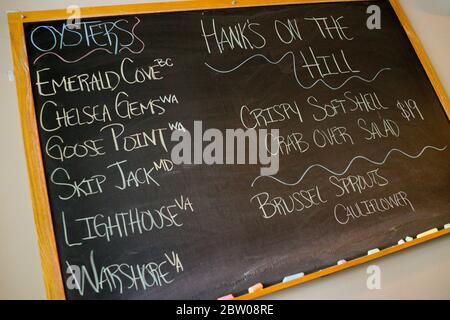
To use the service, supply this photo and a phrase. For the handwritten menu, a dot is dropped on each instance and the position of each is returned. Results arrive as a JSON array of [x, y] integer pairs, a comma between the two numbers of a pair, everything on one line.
[[362, 145]]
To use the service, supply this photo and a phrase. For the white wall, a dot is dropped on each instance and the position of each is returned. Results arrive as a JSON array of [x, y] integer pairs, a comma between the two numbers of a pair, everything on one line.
[[420, 272]]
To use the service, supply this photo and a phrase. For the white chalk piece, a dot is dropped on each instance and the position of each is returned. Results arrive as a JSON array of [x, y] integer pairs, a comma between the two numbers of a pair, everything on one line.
[[401, 241], [10, 76], [447, 226], [373, 251], [409, 239], [227, 297], [255, 287], [342, 261], [426, 233], [293, 277]]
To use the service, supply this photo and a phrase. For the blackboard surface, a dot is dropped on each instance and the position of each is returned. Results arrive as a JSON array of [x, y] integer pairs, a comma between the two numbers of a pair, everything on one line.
[[367, 161]]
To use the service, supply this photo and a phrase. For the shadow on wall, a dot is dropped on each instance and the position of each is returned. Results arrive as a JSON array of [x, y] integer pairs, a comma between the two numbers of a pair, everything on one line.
[[436, 7]]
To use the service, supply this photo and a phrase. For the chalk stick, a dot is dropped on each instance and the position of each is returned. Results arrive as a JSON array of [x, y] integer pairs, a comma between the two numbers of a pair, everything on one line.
[[10, 75], [447, 226], [293, 277], [227, 297], [426, 233], [401, 241], [342, 261], [373, 251], [255, 287], [409, 239]]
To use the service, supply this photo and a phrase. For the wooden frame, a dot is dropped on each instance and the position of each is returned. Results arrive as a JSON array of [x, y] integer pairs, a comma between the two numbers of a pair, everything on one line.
[[42, 213]]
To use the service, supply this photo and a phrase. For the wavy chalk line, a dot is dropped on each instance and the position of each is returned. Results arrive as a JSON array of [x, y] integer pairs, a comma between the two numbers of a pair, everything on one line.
[[295, 71], [70, 61], [379, 163]]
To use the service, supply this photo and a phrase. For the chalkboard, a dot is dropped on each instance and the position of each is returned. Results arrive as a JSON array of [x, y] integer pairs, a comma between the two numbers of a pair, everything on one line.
[[362, 145]]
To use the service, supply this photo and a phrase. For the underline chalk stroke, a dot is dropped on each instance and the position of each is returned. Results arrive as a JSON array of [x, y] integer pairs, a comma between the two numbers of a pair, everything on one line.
[[379, 163], [294, 64], [70, 61]]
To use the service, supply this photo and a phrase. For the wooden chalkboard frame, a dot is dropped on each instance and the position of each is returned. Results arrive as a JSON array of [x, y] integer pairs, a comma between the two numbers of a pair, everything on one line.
[[42, 213]]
